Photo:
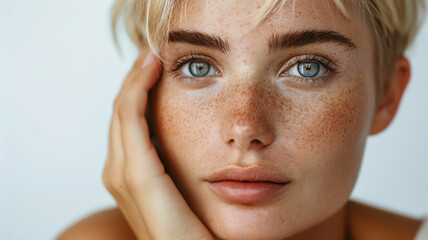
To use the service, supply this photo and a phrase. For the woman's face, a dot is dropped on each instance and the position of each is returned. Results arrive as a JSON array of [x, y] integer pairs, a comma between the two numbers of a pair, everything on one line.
[[299, 105]]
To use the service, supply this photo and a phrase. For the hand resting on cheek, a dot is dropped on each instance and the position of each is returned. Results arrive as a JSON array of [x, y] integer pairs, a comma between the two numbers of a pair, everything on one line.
[[134, 174]]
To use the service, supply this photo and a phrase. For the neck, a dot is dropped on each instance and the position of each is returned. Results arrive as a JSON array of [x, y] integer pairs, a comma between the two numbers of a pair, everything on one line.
[[333, 228]]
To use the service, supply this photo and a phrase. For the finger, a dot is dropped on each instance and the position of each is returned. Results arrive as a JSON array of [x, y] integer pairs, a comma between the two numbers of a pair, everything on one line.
[[115, 164], [113, 171], [135, 69], [131, 112], [135, 133], [157, 196]]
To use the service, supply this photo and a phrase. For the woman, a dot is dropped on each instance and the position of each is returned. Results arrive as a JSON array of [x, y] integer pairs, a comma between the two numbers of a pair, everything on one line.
[[248, 120]]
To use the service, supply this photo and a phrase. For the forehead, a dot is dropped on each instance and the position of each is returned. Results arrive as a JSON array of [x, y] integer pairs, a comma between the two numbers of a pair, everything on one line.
[[233, 20]]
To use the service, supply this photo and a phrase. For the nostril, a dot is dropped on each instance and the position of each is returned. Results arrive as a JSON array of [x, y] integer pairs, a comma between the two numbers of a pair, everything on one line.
[[255, 142]]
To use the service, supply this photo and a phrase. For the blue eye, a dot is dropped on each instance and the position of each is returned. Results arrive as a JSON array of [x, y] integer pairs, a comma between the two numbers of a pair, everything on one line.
[[198, 69], [307, 69]]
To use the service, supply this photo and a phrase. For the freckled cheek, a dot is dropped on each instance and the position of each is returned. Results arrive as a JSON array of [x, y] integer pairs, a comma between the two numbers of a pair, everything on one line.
[[182, 127], [329, 134], [333, 120]]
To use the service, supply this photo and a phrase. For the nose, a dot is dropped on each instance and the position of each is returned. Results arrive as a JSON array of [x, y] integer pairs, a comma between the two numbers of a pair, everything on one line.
[[245, 119]]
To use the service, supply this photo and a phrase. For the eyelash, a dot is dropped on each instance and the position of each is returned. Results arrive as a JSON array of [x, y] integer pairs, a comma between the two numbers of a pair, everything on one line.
[[331, 68], [187, 59]]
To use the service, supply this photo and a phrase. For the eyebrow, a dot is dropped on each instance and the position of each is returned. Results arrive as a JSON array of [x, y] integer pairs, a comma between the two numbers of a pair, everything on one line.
[[200, 39], [301, 38], [275, 43]]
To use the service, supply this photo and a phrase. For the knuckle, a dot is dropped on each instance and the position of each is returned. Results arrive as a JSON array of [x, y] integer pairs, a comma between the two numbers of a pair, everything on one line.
[[116, 184], [125, 111], [108, 184], [131, 178], [106, 180], [113, 184]]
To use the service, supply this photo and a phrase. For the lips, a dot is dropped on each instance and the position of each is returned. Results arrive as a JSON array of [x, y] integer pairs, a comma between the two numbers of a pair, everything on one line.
[[247, 185]]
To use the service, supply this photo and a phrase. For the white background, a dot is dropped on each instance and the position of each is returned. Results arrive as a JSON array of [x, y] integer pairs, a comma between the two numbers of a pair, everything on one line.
[[59, 75]]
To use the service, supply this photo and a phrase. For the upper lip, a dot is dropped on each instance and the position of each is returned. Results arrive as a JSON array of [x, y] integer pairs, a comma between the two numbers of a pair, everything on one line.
[[254, 174]]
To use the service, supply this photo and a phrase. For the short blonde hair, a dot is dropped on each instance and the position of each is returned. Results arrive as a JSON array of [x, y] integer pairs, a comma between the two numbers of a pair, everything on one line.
[[394, 24]]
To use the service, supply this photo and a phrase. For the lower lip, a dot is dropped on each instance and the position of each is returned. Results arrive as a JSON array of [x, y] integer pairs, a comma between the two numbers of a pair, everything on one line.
[[247, 192]]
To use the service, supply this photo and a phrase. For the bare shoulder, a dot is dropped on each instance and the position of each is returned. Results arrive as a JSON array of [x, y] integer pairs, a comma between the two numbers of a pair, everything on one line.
[[107, 224], [369, 222]]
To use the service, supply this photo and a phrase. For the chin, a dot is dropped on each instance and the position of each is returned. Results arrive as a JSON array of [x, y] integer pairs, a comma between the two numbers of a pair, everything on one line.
[[248, 222]]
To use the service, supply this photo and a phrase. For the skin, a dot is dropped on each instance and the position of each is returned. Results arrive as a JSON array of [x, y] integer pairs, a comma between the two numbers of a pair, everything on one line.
[[250, 115], [315, 135]]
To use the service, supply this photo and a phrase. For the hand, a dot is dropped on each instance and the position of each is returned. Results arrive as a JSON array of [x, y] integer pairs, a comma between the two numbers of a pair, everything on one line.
[[134, 174]]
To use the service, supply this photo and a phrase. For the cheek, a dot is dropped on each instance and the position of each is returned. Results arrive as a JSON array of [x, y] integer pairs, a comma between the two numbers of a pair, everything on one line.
[[182, 129], [329, 132], [331, 119]]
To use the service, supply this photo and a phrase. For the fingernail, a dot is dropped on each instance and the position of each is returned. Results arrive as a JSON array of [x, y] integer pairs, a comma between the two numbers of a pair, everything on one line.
[[149, 59]]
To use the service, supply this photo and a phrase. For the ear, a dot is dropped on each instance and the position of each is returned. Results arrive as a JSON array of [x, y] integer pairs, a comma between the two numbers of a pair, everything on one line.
[[391, 97]]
